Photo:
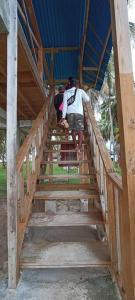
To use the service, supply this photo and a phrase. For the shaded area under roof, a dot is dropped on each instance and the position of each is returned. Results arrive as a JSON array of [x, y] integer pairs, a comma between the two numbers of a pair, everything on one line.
[[61, 24]]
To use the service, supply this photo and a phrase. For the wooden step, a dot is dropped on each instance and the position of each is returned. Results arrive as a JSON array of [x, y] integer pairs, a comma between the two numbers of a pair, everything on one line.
[[66, 219], [46, 254], [61, 151], [61, 133], [66, 186], [63, 162], [65, 195], [68, 176], [62, 142]]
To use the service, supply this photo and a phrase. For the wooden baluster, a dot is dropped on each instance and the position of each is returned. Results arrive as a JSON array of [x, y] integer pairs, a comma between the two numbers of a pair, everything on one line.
[[22, 196], [111, 224], [33, 156], [118, 244]]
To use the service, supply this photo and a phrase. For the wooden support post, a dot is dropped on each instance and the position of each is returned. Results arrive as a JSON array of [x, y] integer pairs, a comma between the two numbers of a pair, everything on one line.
[[82, 46], [40, 62], [126, 117], [12, 146]]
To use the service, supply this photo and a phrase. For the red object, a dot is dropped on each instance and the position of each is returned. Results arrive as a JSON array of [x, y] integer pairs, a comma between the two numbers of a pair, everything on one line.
[[68, 156]]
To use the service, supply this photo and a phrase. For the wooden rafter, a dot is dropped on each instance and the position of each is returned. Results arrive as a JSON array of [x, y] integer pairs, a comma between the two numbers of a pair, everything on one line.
[[20, 94], [93, 61], [90, 69], [103, 53], [20, 112], [98, 38], [27, 104], [25, 21], [84, 39], [52, 69], [91, 75], [29, 29], [36, 34], [59, 49], [59, 81], [94, 51], [33, 20], [88, 74], [30, 59]]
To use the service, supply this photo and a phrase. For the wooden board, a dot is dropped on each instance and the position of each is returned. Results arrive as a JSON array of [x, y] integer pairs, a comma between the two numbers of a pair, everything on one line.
[[66, 186], [64, 255], [62, 176], [66, 219], [29, 87], [63, 162], [61, 142], [65, 195], [62, 151]]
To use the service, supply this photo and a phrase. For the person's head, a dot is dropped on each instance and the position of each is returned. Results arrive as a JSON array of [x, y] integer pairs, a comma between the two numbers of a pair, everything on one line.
[[72, 82], [61, 89]]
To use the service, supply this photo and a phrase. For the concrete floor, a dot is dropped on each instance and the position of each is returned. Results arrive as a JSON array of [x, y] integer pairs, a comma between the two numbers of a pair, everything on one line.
[[61, 285], [55, 284]]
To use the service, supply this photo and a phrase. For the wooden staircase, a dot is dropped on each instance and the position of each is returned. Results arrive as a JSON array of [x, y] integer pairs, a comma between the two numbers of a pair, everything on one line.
[[71, 185]]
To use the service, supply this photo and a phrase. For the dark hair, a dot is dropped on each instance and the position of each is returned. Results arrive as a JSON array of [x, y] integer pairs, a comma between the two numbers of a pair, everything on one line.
[[72, 82], [61, 89]]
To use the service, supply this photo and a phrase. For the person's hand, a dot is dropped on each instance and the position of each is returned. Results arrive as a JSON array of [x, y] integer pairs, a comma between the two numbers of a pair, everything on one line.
[[62, 120]]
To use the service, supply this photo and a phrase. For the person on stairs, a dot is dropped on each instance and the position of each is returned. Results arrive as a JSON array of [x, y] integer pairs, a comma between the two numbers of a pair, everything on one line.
[[58, 103], [73, 108]]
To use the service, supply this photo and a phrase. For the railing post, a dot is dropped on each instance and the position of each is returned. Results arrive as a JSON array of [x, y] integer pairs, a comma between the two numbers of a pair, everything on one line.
[[126, 118], [12, 146], [111, 223]]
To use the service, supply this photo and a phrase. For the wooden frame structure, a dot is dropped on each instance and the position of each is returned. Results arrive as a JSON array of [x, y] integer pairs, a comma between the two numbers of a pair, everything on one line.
[[117, 196]]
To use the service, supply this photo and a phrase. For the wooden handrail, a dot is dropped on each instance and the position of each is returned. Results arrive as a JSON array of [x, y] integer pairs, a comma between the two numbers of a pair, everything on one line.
[[25, 21], [23, 151], [117, 180]]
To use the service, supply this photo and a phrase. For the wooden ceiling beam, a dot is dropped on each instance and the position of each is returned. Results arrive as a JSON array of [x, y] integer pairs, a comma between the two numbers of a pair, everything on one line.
[[60, 81], [90, 69], [103, 53], [59, 49], [82, 46]]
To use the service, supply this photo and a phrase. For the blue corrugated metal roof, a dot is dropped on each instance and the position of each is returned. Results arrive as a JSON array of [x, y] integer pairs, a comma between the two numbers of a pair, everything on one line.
[[61, 24]]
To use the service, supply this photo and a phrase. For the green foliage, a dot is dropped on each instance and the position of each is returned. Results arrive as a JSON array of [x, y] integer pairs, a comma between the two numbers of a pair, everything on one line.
[[104, 123], [3, 147], [3, 179]]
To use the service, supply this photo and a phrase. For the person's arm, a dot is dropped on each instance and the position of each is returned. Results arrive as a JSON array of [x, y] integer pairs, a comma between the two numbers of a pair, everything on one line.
[[55, 102], [64, 110], [85, 97]]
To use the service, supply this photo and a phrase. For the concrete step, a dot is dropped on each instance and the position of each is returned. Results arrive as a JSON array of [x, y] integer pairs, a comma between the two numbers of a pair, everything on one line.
[[66, 195], [46, 254], [93, 217]]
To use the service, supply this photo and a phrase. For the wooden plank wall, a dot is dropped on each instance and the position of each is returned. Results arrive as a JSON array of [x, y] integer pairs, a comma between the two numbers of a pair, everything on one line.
[[126, 118]]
